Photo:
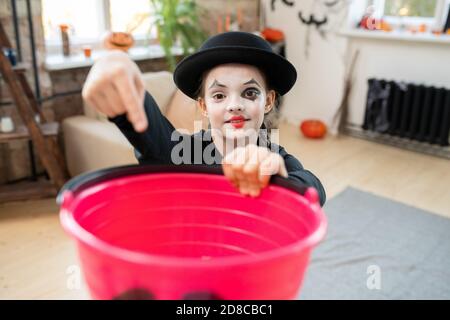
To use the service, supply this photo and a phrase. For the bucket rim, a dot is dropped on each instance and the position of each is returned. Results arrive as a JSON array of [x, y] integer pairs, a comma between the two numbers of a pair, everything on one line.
[[78, 184]]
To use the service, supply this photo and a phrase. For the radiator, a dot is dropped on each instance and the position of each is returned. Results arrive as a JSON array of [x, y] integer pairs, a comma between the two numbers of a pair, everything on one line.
[[416, 112]]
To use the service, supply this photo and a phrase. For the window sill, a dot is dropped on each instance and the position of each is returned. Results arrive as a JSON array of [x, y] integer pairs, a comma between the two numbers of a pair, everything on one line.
[[396, 36], [59, 62]]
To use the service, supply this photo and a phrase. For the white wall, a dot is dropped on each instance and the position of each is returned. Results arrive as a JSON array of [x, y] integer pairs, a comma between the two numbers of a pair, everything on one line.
[[318, 91], [319, 87]]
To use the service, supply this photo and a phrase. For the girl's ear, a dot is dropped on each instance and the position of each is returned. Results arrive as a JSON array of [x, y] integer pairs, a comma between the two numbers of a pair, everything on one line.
[[201, 104], [270, 101]]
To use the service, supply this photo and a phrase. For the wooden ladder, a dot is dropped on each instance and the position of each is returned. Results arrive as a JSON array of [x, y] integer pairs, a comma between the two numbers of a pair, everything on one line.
[[46, 147]]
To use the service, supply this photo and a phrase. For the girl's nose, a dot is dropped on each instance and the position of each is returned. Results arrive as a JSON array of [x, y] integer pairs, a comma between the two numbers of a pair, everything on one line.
[[234, 108]]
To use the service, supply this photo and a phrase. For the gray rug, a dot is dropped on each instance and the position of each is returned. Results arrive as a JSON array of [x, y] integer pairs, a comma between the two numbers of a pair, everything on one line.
[[379, 249]]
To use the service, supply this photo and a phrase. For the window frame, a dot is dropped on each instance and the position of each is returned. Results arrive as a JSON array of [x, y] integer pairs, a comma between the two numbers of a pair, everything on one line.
[[104, 19], [439, 14]]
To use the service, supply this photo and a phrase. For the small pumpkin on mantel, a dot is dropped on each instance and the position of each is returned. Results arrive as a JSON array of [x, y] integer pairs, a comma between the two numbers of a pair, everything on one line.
[[314, 129]]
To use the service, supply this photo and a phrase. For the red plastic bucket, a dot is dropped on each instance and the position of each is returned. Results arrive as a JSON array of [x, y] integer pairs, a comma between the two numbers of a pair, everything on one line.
[[184, 232]]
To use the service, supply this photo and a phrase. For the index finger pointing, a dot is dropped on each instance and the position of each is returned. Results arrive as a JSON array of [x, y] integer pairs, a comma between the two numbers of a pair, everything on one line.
[[132, 102]]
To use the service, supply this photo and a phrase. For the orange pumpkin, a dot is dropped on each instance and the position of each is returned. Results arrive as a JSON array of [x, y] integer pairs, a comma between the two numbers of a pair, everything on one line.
[[314, 129], [272, 35], [118, 40]]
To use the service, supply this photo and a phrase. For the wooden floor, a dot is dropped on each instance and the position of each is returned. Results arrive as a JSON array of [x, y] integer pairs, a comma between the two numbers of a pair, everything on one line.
[[38, 261]]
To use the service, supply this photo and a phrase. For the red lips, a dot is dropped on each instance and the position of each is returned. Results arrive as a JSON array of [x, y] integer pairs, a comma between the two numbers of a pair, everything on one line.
[[237, 121]]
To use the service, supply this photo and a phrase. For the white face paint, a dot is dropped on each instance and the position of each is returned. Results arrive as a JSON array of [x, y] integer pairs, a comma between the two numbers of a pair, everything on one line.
[[235, 97]]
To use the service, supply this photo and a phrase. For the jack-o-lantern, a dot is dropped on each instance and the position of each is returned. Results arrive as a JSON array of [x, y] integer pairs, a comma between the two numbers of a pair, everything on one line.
[[118, 40]]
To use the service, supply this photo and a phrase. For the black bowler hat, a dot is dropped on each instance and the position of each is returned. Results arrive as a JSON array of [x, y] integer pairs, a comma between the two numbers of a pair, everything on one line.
[[234, 47]]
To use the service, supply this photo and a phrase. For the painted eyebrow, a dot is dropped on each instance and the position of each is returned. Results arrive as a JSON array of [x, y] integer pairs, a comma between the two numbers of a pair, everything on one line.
[[216, 83], [253, 81]]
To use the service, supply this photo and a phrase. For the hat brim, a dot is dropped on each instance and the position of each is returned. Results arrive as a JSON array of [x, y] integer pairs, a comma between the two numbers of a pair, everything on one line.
[[280, 73]]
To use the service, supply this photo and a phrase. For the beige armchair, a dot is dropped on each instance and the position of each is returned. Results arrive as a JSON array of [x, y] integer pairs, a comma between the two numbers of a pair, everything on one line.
[[92, 142]]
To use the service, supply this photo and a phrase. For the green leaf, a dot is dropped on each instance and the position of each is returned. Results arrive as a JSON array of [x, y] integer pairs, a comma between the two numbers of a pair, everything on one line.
[[177, 20]]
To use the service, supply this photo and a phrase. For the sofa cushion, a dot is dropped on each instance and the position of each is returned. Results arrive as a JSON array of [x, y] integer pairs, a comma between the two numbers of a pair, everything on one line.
[[184, 113], [91, 145], [90, 112], [161, 87]]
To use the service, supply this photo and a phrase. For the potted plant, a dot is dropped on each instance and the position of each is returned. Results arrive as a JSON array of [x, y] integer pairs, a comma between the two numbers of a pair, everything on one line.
[[177, 23]]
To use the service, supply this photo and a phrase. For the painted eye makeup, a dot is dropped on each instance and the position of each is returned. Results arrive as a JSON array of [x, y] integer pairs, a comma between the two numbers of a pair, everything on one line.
[[251, 93]]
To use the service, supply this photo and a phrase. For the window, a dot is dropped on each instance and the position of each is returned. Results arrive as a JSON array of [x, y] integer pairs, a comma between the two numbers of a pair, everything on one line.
[[88, 20], [133, 18], [82, 16], [410, 8], [412, 12]]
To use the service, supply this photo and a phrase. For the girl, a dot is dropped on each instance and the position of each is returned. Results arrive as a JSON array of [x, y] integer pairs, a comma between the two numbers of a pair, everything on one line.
[[235, 77]]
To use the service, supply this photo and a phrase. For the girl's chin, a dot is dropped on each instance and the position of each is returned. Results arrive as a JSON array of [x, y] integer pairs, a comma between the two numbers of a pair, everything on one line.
[[238, 133]]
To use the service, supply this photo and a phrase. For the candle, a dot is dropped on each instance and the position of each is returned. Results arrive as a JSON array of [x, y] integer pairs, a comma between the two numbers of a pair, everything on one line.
[[239, 16], [219, 25], [227, 22], [87, 50], [64, 28]]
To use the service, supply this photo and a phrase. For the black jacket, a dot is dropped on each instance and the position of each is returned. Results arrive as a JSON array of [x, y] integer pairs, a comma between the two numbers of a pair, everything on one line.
[[161, 143]]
